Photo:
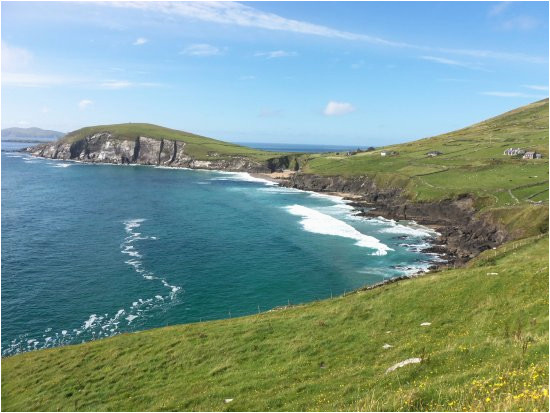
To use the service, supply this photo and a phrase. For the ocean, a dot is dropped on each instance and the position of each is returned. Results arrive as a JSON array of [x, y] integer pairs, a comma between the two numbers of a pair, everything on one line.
[[90, 251]]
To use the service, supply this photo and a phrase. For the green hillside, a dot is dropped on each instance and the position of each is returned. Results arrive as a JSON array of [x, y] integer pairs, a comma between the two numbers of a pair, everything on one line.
[[472, 161], [199, 147], [486, 349]]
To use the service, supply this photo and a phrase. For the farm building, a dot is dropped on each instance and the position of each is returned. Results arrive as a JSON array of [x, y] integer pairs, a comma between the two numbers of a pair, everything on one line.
[[514, 151], [532, 155], [434, 153], [389, 153]]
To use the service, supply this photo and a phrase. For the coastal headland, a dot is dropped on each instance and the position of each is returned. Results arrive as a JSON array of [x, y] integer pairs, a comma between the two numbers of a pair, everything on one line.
[[469, 338]]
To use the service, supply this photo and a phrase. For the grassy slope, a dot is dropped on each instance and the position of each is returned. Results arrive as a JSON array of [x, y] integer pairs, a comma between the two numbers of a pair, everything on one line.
[[472, 161], [486, 349], [197, 146]]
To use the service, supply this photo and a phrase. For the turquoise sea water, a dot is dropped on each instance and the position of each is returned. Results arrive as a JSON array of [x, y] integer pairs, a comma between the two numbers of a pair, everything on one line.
[[89, 251]]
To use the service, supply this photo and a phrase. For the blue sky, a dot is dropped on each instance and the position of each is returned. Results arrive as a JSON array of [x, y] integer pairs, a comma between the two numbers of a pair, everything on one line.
[[359, 73]]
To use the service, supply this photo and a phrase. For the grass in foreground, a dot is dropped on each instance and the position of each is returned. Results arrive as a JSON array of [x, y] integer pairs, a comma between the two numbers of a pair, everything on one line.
[[486, 349]]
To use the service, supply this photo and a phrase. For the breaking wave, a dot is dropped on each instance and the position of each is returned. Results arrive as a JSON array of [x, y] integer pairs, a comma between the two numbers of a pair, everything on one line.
[[106, 325], [319, 223]]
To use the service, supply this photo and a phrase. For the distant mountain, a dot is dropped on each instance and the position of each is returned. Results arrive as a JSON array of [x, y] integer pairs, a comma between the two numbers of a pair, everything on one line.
[[30, 133]]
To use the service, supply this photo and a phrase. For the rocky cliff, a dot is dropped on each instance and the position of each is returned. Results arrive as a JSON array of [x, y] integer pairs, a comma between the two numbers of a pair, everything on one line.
[[464, 233], [103, 147]]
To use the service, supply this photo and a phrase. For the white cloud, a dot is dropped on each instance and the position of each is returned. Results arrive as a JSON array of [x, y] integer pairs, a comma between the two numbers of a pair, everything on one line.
[[232, 13], [37, 80], [123, 84], [338, 108], [536, 87], [116, 84], [275, 54], [520, 23], [499, 8], [452, 62], [358, 65], [201, 50], [14, 58], [512, 95], [269, 113], [84, 103], [140, 41]]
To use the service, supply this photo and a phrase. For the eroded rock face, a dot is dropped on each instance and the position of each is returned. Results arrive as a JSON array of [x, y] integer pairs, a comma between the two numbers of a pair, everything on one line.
[[103, 147], [149, 151], [464, 234]]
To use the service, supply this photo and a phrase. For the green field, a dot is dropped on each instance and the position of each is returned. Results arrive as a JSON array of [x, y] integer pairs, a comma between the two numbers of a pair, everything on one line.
[[472, 161], [197, 146], [486, 349]]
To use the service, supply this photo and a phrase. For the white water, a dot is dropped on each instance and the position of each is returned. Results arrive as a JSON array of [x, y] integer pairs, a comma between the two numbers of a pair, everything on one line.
[[319, 223]]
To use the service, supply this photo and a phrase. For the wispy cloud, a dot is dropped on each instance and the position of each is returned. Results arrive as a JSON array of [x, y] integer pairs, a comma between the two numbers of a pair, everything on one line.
[[275, 54], [34, 80], [499, 8], [85, 103], [232, 13], [452, 62], [15, 58], [140, 41], [201, 49], [520, 23], [512, 95], [37, 80], [358, 65], [536, 87], [270, 113], [124, 84], [338, 108]]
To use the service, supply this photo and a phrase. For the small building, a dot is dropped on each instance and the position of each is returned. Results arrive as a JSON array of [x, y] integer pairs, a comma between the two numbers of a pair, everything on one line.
[[532, 155], [434, 153], [383, 153], [514, 152], [389, 153]]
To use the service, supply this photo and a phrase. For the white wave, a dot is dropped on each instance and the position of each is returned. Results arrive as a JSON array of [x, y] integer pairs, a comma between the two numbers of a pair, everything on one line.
[[410, 228], [280, 190], [319, 223], [243, 177], [61, 165]]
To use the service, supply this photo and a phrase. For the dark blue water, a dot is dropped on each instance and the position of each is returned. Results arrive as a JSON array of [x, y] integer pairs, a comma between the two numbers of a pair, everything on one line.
[[90, 251]]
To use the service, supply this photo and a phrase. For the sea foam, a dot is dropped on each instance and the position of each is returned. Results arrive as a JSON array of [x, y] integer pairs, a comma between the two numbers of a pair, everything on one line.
[[319, 223]]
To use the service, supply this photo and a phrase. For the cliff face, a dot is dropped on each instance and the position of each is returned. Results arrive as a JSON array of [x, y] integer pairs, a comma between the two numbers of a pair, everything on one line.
[[103, 147], [463, 232]]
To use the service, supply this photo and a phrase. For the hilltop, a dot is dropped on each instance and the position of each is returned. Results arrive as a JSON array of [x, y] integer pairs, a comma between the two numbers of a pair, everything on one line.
[[200, 147], [31, 133]]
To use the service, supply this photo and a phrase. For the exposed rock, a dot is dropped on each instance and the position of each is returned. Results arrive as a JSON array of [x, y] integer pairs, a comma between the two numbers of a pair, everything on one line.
[[103, 147], [463, 234], [149, 151], [403, 364]]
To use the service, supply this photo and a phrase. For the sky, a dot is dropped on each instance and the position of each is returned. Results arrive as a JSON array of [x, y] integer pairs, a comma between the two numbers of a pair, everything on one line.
[[353, 73]]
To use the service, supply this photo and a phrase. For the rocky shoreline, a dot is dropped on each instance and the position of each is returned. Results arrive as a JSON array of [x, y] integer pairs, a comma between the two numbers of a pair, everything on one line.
[[463, 233]]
